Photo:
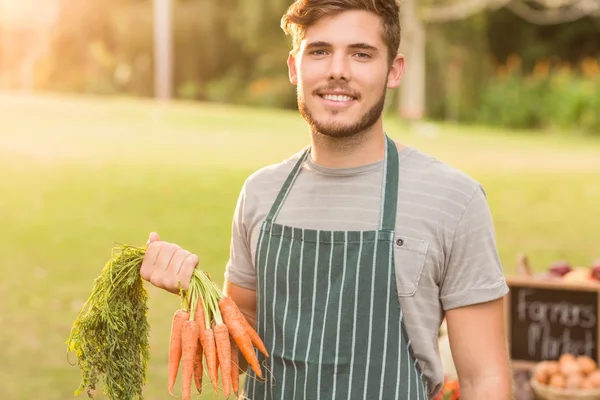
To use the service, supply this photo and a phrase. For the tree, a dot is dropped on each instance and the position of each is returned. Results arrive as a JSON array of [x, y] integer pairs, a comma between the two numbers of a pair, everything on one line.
[[411, 105], [163, 49]]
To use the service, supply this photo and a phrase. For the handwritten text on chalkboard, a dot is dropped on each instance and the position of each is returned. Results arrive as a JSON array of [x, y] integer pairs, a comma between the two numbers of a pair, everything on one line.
[[546, 323]]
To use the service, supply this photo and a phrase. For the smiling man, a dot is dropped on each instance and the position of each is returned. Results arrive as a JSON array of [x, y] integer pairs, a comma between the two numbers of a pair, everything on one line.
[[341, 83], [347, 256]]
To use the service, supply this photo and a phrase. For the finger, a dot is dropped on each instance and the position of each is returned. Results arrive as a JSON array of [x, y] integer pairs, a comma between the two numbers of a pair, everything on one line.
[[150, 259], [177, 260], [163, 260], [187, 270], [152, 238]]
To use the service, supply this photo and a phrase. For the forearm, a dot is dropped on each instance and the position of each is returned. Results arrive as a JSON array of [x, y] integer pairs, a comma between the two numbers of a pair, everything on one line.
[[493, 387]]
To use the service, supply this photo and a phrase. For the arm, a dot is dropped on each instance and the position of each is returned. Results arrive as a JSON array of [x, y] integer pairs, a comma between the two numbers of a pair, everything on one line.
[[471, 293], [479, 350], [245, 299], [240, 279]]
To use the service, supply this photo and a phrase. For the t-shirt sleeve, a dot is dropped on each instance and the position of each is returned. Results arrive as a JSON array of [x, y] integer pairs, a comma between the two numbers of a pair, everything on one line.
[[240, 268], [473, 269]]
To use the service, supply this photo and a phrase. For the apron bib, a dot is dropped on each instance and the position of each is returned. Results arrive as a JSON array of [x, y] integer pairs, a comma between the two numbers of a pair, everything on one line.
[[328, 309]]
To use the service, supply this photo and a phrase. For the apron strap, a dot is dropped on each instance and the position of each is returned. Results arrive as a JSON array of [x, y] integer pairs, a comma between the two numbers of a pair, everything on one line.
[[389, 187]]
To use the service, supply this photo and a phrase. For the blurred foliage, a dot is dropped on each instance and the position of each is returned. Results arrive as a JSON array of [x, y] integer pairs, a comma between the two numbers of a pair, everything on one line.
[[234, 51], [552, 96], [458, 62], [541, 77]]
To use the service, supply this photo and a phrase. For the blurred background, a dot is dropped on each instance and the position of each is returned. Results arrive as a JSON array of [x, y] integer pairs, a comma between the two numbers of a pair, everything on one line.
[[474, 55], [118, 118]]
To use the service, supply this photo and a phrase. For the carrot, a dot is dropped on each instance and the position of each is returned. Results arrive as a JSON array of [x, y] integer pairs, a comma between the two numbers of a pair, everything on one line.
[[235, 373], [189, 339], [198, 367], [227, 305], [253, 335], [224, 354], [234, 321], [175, 346], [210, 351]]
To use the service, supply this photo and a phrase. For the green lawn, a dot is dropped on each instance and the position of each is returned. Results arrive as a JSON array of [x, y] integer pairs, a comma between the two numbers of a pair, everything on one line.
[[79, 174]]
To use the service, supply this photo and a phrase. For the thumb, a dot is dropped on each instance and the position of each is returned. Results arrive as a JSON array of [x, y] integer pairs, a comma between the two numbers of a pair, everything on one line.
[[152, 238]]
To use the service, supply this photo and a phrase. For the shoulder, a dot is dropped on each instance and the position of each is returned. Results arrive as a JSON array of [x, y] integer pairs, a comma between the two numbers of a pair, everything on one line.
[[452, 188], [270, 176]]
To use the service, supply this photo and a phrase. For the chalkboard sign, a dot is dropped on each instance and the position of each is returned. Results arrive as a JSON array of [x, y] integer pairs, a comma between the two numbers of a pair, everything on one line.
[[546, 319]]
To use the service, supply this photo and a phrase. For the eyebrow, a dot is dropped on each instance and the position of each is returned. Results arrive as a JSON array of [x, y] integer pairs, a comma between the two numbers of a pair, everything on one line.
[[357, 46]]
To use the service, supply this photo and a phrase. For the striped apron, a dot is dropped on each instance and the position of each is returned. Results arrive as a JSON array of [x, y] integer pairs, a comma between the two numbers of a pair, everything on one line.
[[328, 309]]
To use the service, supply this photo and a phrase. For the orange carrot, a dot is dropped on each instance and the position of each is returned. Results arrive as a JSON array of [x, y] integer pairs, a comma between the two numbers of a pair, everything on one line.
[[198, 367], [234, 322], [227, 305], [175, 346], [254, 335], [235, 372], [224, 354], [210, 351], [189, 340]]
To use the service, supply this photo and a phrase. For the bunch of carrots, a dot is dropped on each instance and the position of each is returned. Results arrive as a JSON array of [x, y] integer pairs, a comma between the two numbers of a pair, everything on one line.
[[209, 326], [110, 334]]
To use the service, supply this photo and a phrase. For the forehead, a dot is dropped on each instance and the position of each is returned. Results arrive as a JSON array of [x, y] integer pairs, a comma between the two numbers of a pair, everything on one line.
[[347, 27]]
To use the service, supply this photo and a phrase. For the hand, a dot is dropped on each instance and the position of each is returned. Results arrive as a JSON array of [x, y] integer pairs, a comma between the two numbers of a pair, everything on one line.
[[166, 264]]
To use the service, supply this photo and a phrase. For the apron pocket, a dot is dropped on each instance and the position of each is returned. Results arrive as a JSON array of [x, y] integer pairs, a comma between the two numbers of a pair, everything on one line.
[[410, 255]]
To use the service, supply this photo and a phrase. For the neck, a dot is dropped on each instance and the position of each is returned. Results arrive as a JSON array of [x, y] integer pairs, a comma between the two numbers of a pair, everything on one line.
[[363, 148]]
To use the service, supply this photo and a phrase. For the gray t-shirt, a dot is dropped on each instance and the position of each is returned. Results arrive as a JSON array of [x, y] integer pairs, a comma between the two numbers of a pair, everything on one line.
[[449, 257]]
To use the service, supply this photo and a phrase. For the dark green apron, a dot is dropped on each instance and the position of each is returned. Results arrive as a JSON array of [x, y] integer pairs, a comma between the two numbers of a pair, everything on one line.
[[328, 309]]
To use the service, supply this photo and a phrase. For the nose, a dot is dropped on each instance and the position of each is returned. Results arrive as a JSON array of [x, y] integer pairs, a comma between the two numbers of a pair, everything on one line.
[[339, 67]]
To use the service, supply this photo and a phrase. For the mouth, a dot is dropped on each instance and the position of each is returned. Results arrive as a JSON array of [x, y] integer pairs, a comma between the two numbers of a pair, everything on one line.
[[337, 99]]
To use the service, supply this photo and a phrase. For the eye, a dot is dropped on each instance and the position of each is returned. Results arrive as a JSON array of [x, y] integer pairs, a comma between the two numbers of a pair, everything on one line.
[[318, 53], [364, 56]]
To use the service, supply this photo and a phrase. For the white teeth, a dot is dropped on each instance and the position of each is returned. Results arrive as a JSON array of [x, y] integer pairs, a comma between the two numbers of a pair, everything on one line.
[[336, 97]]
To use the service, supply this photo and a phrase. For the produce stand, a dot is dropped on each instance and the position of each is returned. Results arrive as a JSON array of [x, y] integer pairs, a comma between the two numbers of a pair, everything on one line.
[[551, 317]]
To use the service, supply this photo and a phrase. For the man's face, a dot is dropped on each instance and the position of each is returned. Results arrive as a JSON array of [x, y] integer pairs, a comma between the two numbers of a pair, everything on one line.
[[342, 72]]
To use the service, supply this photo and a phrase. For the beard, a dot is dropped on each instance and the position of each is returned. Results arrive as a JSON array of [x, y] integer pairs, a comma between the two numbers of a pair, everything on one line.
[[338, 129]]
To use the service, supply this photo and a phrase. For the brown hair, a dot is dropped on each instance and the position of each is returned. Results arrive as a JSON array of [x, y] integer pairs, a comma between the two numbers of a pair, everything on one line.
[[304, 13]]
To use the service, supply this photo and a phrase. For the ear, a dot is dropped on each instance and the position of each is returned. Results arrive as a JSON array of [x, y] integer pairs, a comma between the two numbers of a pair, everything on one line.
[[396, 72], [292, 71]]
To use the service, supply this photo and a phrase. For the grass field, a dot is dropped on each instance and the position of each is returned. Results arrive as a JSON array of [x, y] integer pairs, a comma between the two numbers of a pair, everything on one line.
[[79, 174]]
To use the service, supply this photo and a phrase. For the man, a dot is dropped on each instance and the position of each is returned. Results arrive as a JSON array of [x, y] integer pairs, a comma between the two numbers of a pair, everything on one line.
[[347, 256]]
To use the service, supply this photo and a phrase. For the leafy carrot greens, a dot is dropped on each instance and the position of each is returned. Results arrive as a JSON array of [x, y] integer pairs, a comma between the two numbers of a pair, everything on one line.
[[110, 334]]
